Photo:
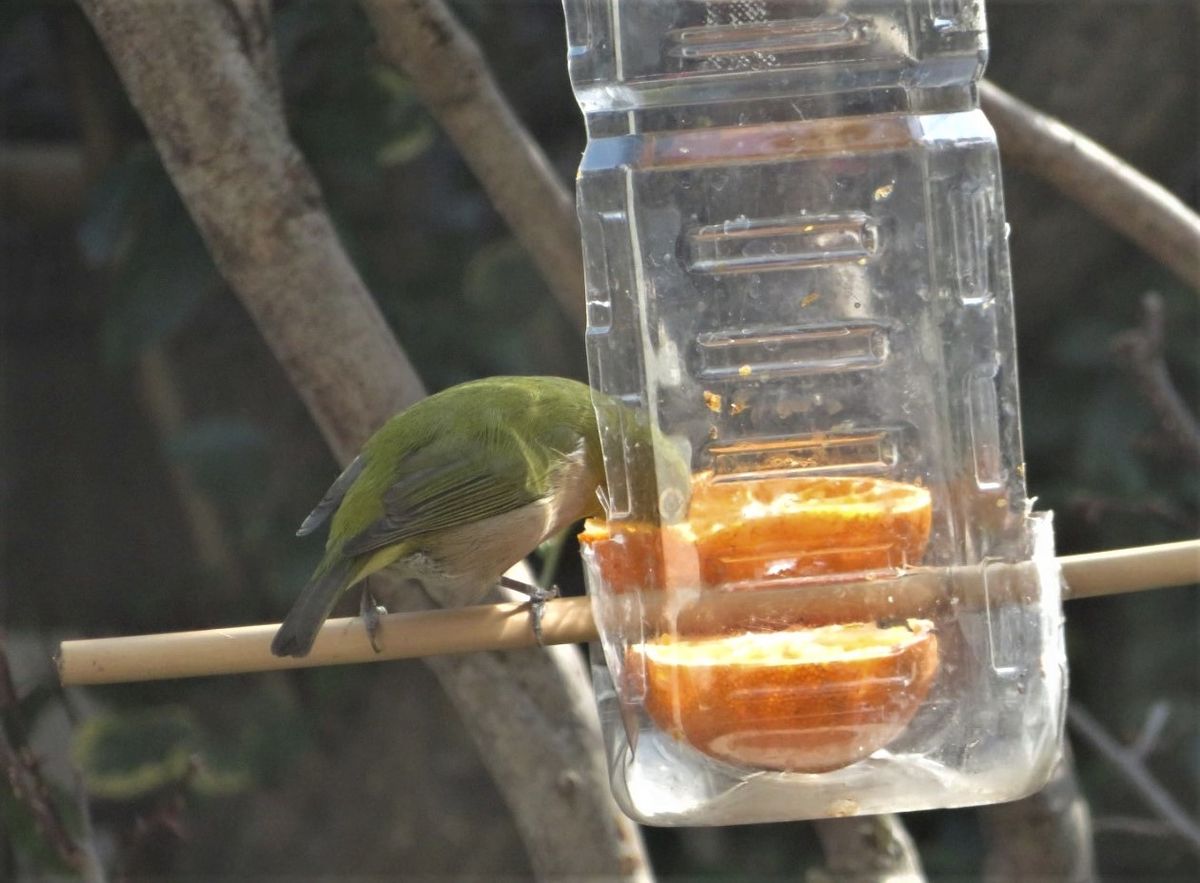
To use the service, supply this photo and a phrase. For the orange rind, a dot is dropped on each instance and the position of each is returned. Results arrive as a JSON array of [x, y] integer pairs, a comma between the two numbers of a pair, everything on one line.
[[795, 700], [801, 677], [767, 530], [776, 529]]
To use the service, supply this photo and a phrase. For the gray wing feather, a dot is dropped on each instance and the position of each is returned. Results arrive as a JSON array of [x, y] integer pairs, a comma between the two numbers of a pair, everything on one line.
[[333, 497]]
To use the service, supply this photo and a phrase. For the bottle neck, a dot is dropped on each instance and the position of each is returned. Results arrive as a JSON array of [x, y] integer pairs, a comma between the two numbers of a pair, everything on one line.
[[662, 65]]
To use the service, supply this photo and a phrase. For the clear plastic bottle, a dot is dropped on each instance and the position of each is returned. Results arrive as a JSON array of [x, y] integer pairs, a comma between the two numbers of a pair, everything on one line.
[[799, 301]]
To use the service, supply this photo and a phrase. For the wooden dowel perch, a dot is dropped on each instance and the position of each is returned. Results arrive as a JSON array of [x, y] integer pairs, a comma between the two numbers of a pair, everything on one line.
[[567, 621]]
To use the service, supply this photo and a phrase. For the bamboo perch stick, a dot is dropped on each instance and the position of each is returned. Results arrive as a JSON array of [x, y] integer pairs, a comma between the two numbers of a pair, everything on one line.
[[567, 621], [1131, 570]]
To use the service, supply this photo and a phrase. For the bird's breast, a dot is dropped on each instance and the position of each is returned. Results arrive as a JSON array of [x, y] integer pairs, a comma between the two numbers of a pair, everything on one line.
[[469, 559]]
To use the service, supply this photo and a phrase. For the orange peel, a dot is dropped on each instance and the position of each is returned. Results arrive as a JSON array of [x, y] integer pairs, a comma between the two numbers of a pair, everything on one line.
[[767, 530], [797, 700]]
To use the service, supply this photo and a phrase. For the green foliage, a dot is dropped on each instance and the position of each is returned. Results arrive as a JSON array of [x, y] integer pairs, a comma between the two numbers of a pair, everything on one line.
[[350, 114], [1093, 442], [228, 457], [137, 229], [131, 755], [20, 828]]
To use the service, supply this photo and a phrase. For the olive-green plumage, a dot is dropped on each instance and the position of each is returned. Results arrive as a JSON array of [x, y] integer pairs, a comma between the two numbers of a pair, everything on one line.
[[453, 491]]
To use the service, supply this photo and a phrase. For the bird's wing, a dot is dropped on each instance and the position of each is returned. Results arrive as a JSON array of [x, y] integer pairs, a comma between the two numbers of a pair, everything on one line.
[[442, 485], [333, 497]]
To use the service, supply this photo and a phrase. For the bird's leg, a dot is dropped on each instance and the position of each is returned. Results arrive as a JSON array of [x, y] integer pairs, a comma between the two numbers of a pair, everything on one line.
[[370, 610], [537, 601]]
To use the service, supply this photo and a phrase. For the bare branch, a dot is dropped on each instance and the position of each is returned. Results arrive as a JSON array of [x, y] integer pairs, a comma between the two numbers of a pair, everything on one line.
[[1105, 185], [1045, 836], [20, 767], [867, 849], [163, 405], [1127, 762], [526, 695], [1141, 350], [220, 130], [450, 74], [1133, 826], [1152, 728]]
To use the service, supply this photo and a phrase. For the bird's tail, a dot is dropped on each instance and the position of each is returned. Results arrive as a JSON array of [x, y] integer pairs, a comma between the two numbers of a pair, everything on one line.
[[295, 637]]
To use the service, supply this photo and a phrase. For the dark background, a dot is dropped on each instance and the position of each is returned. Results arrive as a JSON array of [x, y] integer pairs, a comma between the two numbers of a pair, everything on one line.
[[154, 462]]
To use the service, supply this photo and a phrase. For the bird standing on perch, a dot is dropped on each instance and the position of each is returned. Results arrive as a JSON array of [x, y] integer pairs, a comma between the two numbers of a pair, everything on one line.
[[451, 493]]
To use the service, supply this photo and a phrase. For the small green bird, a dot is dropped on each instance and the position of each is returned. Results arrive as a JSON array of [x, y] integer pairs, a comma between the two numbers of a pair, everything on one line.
[[454, 491]]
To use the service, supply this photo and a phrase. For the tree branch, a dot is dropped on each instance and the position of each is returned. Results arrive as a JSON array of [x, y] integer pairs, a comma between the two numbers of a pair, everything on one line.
[[450, 74], [1128, 762], [163, 404], [21, 769], [219, 127], [1045, 836], [1141, 351], [1133, 826], [870, 849], [1118, 194]]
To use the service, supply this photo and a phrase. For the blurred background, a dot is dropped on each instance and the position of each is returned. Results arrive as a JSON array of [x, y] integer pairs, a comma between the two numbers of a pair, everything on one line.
[[155, 462]]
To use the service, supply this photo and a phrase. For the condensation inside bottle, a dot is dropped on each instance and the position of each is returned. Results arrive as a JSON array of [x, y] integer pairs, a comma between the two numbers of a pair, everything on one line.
[[798, 288]]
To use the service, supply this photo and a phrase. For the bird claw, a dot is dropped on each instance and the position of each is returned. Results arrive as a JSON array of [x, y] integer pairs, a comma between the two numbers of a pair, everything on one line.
[[538, 597], [371, 610]]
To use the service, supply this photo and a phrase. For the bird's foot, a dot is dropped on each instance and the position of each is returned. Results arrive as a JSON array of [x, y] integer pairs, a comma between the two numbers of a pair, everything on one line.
[[537, 602], [370, 610]]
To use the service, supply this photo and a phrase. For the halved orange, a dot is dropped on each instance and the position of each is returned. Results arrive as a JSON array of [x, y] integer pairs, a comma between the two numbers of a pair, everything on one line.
[[789, 527], [797, 700], [767, 530], [635, 555]]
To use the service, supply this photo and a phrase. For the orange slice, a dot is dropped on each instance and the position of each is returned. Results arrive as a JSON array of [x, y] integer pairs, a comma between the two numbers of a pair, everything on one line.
[[797, 700], [793, 527], [768, 530], [635, 555]]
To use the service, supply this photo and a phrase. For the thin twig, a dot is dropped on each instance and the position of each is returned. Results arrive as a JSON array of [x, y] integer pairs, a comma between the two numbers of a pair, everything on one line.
[[163, 403], [1102, 183], [452, 78], [1130, 766], [1133, 826], [22, 769], [1141, 351], [1152, 729]]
